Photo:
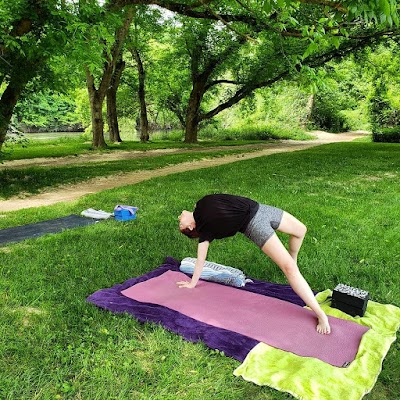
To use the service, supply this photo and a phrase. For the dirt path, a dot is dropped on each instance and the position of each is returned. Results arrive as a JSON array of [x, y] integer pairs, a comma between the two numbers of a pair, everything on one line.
[[74, 192]]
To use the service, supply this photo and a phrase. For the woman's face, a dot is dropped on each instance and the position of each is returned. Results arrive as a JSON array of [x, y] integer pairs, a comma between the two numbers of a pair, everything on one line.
[[186, 220]]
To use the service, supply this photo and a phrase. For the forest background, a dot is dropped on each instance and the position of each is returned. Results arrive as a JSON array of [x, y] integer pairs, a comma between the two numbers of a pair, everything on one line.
[[183, 70]]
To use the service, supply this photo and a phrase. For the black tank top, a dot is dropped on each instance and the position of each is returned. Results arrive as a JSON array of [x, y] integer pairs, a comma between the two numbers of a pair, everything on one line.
[[219, 216]]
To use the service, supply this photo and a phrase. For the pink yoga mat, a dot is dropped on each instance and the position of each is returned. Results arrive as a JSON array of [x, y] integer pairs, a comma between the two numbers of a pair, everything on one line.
[[278, 323]]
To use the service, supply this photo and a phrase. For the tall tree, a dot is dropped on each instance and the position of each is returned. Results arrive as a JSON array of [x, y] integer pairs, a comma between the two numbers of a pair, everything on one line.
[[145, 27], [212, 49], [112, 117], [170, 74], [30, 35], [97, 88], [266, 48], [143, 120]]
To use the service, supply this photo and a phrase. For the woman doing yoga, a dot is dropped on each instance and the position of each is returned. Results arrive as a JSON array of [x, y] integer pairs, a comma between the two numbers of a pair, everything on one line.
[[218, 216]]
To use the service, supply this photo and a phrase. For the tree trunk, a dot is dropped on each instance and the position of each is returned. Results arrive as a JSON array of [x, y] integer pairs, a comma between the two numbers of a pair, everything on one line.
[[96, 99], [97, 96], [144, 122], [96, 106], [192, 114], [192, 127], [8, 101], [112, 118]]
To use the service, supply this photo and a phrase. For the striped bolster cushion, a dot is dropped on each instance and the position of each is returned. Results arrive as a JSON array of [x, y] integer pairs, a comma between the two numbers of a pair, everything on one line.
[[215, 272]]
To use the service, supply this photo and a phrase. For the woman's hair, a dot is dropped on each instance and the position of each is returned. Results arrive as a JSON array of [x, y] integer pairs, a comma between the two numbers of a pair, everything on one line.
[[190, 233]]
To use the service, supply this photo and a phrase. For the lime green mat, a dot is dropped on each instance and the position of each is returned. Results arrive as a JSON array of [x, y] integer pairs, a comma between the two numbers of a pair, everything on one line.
[[310, 378]]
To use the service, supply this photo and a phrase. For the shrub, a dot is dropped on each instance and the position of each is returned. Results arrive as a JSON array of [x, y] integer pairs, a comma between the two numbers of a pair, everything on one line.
[[388, 135], [267, 132]]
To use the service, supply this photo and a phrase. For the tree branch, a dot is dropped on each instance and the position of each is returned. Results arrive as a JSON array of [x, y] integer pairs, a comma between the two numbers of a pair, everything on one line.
[[221, 81], [241, 94], [220, 58], [202, 10], [313, 62]]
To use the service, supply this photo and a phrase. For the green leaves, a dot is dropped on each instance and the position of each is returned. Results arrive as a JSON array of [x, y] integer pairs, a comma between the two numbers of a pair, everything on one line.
[[312, 48], [381, 11], [378, 11]]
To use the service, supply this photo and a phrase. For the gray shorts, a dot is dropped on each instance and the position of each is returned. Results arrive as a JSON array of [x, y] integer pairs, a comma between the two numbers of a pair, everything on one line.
[[262, 226]]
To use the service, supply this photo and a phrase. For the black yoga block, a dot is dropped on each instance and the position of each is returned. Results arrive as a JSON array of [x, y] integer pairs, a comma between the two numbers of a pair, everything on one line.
[[352, 301]]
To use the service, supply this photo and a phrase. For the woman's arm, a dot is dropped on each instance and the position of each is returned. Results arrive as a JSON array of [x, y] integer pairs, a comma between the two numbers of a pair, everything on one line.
[[202, 250]]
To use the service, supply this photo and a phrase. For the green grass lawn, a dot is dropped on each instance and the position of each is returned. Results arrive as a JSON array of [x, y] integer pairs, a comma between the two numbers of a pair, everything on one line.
[[54, 345]]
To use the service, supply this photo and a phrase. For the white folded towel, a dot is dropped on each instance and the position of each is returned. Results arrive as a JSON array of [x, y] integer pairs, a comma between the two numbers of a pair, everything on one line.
[[96, 214]]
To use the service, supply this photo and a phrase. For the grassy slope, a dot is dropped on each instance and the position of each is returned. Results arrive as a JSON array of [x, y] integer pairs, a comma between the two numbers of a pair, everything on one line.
[[55, 345]]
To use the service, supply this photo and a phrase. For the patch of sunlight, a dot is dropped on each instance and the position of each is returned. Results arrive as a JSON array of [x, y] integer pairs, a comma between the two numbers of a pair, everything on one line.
[[27, 313]]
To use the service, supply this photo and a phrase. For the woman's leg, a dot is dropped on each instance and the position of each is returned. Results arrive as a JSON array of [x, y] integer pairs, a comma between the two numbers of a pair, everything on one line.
[[296, 229], [274, 249]]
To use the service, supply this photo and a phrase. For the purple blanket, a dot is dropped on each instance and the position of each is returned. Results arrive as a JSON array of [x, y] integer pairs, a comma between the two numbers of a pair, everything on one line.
[[232, 344]]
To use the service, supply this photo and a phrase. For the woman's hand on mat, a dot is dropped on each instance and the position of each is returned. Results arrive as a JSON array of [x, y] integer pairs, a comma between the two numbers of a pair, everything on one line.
[[323, 326], [185, 284]]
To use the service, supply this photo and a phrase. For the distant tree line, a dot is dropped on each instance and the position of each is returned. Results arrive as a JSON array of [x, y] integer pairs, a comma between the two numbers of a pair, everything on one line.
[[190, 59]]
